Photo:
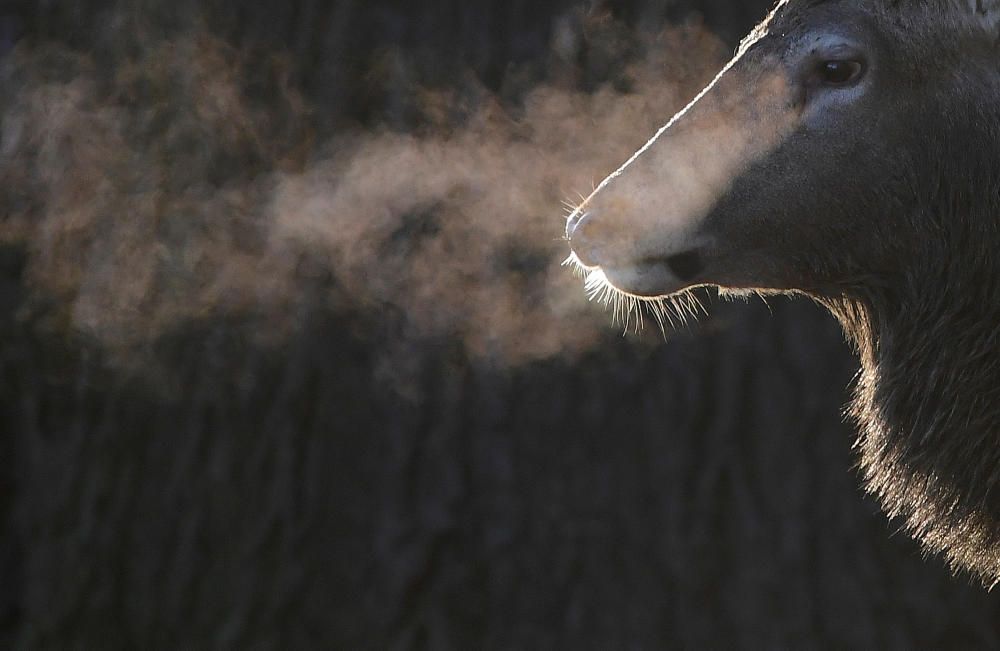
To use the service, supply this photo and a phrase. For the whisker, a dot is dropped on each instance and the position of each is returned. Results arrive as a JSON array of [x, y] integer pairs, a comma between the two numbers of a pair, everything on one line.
[[701, 306], [629, 311], [763, 299]]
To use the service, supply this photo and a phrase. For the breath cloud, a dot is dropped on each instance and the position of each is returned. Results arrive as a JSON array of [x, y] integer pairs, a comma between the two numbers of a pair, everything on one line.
[[167, 183]]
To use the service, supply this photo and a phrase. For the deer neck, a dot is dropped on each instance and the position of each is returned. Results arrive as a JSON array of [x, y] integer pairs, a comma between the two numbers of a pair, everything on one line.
[[927, 402]]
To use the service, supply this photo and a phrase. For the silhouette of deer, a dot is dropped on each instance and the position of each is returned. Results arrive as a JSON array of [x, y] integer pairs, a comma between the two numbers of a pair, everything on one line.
[[850, 152]]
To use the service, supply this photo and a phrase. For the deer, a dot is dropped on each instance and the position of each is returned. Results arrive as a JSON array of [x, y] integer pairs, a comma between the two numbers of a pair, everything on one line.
[[848, 153]]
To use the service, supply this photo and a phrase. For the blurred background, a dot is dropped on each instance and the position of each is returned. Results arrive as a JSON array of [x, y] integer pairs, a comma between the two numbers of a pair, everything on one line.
[[288, 359]]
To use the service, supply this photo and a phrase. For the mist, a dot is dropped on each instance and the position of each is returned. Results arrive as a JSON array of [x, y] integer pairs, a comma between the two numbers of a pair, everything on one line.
[[173, 180]]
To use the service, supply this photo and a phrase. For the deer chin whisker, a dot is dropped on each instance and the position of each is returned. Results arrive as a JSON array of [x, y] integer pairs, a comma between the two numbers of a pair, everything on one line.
[[576, 267], [631, 311]]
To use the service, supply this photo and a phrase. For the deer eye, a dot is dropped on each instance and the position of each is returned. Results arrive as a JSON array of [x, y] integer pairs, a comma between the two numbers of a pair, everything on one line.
[[839, 73]]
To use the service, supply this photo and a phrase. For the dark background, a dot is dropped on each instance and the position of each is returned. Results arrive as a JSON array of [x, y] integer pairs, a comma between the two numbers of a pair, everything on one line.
[[694, 494]]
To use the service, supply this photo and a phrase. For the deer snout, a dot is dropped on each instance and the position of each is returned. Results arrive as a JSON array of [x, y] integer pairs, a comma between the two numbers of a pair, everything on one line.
[[580, 233], [647, 264]]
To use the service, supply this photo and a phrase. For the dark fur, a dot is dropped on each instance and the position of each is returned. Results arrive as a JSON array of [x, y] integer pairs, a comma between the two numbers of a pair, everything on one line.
[[885, 207], [924, 311]]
